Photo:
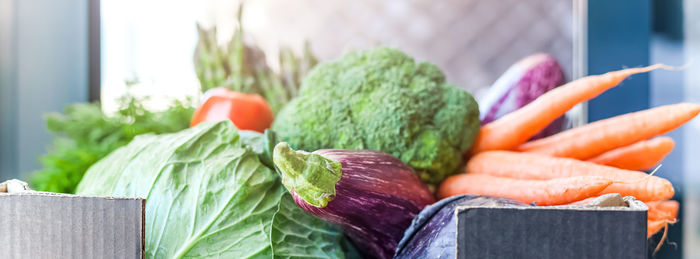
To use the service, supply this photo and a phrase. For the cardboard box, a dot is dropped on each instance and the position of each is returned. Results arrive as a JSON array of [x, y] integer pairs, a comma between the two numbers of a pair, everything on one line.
[[49, 225], [553, 232]]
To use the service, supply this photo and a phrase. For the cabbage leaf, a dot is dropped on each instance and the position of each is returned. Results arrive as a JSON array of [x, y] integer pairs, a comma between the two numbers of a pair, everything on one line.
[[208, 195]]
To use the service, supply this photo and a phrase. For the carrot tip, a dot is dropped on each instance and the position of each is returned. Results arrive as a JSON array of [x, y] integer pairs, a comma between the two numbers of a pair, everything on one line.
[[666, 67], [676, 68], [637, 70]]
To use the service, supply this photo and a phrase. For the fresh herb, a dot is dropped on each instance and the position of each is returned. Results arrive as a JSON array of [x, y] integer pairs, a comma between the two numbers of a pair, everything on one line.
[[84, 134]]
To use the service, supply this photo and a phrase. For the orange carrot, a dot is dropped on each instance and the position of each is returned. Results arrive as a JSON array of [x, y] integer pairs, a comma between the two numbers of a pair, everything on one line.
[[643, 155], [515, 128], [542, 192], [654, 226], [598, 137], [663, 210], [660, 214], [541, 167], [667, 209]]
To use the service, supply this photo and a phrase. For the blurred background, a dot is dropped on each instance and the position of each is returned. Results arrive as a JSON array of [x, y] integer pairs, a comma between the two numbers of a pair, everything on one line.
[[79, 78]]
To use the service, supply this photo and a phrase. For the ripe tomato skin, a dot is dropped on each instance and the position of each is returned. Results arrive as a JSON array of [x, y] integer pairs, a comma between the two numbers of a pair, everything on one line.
[[246, 111]]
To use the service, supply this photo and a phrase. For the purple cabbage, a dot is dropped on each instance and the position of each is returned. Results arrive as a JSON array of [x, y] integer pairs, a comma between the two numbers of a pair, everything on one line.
[[433, 232], [372, 195], [521, 84]]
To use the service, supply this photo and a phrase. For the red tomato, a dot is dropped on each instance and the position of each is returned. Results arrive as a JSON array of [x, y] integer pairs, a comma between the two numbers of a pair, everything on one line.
[[246, 111]]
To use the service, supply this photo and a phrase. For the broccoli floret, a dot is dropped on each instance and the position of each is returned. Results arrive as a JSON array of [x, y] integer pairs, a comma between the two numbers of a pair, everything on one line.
[[381, 99]]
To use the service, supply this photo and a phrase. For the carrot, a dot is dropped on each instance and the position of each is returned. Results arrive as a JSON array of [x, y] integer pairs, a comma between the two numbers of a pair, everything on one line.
[[654, 226], [542, 192], [541, 167], [643, 155], [663, 210], [588, 141], [660, 213], [515, 128], [584, 201], [667, 209]]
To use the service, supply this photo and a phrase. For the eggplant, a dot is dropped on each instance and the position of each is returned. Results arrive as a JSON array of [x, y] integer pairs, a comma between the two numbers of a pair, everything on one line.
[[433, 232], [372, 195], [521, 84]]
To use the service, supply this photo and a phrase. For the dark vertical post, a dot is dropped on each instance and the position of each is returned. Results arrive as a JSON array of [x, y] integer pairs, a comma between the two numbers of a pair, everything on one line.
[[618, 36], [94, 52], [8, 91]]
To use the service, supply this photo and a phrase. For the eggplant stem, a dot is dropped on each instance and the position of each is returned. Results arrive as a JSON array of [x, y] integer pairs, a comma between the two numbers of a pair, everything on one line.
[[311, 176]]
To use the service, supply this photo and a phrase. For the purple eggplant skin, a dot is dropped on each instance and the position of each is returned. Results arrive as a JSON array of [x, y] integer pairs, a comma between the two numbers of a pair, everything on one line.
[[521, 84], [374, 200], [433, 232]]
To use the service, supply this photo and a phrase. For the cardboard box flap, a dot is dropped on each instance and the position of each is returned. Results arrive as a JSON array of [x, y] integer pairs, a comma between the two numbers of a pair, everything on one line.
[[50, 225], [553, 231]]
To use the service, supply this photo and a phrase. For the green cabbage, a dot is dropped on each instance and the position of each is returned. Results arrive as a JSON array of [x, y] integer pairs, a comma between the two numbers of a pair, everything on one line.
[[208, 195]]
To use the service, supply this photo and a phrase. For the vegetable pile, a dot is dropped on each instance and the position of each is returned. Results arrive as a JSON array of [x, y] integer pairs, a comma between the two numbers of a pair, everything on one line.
[[521, 84], [382, 100], [209, 195], [576, 164], [346, 167], [514, 129], [84, 134]]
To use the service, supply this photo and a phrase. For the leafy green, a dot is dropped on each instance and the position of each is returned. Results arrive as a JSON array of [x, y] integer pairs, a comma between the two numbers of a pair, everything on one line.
[[241, 66], [84, 134], [381, 99], [210, 196]]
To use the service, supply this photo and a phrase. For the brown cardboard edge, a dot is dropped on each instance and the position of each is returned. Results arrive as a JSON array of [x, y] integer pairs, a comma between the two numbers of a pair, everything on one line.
[[143, 228]]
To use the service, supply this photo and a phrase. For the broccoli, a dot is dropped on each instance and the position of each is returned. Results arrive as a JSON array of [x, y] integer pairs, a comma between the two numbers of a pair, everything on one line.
[[381, 99]]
